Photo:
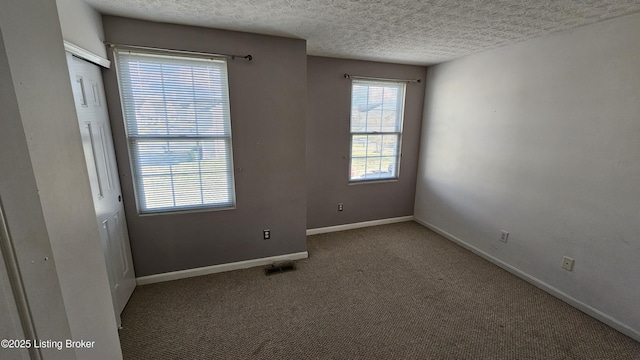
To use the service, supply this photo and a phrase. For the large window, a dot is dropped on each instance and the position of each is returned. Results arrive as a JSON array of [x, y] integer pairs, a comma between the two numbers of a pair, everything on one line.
[[176, 112], [377, 111]]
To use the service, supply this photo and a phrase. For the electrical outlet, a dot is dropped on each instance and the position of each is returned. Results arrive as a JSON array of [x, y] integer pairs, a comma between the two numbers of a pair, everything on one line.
[[567, 263], [266, 234], [340, 207], [504, 236]]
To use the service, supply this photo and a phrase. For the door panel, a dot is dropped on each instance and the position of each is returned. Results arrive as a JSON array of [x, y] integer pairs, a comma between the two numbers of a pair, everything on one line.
[[105, 151], [100, 157], [106, 248], [92, 163], [124, 269]]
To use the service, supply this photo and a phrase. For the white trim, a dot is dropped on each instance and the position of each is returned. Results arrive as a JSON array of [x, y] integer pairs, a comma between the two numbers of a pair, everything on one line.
[[589, 310], [182, 274], [86, 55], [358, 225]]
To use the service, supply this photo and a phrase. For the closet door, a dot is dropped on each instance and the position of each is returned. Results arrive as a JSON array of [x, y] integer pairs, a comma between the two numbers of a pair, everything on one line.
[[93, 119]]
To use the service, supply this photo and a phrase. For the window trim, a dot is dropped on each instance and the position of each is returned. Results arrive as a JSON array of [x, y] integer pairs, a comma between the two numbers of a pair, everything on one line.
[[136, 171], [398, 133]]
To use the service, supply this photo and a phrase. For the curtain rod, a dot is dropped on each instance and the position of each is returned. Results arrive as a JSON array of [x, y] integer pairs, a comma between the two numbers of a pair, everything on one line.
[[348, 76], [229, 56]]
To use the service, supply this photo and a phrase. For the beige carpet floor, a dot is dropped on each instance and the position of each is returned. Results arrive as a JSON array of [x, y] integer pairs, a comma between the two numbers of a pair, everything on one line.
[[395, 291]]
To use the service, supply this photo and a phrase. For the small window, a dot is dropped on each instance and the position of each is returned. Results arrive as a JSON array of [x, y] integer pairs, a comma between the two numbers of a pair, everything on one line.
[[178, 126], [377, 112]]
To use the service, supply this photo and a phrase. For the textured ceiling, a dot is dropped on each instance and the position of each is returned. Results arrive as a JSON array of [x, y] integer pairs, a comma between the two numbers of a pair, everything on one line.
[[403, 31]]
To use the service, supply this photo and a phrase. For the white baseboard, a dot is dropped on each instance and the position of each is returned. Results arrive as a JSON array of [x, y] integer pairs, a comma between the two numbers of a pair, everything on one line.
[[182, 274], [358, 225], [595, 313]]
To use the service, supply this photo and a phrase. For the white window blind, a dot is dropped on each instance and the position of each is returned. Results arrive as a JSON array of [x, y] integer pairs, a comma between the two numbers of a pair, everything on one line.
[[178, 124], [377, 112]]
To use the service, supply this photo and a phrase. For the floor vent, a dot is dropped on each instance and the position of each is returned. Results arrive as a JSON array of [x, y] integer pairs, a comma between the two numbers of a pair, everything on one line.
[[279, 268]]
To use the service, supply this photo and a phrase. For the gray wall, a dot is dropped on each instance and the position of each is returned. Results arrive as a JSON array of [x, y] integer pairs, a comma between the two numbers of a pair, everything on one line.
[[268, 109], [81, 25], [542, 139], [328, 139], [57, 179], [25, 222]]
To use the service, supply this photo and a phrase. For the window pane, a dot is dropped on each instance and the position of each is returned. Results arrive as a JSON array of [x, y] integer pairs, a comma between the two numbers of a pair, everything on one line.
[[358, 108], [179, 130], [376, 123], [376, 106], [390, 121], [388, 166], [358, 168], [192, 172], [373, 166], [187, 189], [374, 109], [163, 96], [212, 183], [153, 156], [359, 145], [159, 193], [374, 145], [390, 145]]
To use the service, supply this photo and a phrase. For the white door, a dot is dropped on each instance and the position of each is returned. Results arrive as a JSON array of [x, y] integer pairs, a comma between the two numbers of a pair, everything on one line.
[[93, 118]]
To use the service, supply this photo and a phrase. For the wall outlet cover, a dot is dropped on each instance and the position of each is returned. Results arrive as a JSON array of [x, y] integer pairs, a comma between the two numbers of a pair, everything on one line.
[[567, 263]]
